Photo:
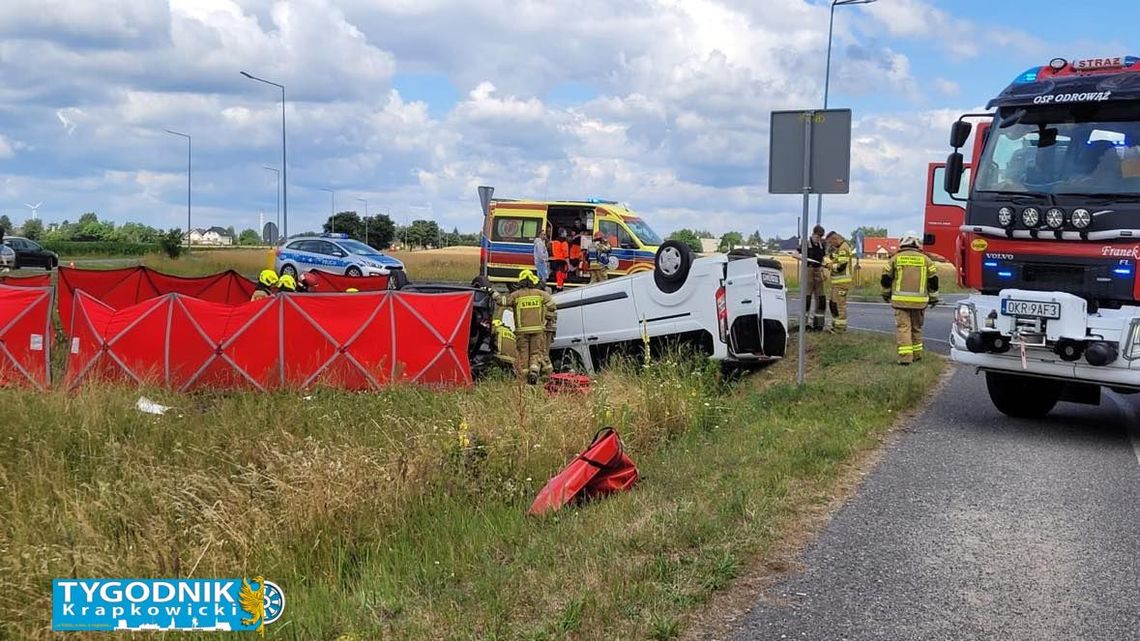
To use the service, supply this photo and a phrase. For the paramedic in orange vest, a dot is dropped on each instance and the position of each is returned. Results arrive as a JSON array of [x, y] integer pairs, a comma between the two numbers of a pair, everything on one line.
[[534, 314], [910, 285], [576, 266], [559, 258]]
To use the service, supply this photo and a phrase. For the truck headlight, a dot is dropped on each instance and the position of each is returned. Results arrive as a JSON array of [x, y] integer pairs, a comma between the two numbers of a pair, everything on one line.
[[1005, 216], [1081, 218], [1055, 218], [965, 319], [1030, 217]]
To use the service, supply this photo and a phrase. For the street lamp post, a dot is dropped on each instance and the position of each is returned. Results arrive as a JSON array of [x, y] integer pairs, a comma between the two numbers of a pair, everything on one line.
[[332, 208], [365, 201], [278, 173], [284, 166], [827, 80], [188, 175]]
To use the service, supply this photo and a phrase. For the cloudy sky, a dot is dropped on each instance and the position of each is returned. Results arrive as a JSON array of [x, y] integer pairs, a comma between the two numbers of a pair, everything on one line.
[[411, 104]]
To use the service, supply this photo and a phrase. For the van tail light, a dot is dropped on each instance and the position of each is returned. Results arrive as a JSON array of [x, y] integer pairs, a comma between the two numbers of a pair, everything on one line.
[[722, 313]]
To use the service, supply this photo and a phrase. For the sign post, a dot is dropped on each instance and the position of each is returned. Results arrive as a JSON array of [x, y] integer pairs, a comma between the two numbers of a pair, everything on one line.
[[809, 153]]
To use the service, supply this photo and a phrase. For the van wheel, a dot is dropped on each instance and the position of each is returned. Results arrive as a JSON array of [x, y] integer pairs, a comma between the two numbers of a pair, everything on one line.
[[671, 265]]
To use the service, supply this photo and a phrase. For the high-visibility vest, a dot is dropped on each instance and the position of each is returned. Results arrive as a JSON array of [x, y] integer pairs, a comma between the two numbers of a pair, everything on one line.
[[908, 288], [559, 250], [575, 250], [530, 314], [841, 267]]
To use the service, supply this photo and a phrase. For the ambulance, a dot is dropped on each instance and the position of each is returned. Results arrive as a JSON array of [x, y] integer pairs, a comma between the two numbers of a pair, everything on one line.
[[510, 227]]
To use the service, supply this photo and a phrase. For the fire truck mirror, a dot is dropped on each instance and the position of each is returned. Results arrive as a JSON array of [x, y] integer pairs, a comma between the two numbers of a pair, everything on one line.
[[960, 133], [953, 179]]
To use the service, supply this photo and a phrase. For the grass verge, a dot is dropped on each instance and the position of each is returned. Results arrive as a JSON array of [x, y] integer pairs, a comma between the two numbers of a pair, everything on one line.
[[400, 515]]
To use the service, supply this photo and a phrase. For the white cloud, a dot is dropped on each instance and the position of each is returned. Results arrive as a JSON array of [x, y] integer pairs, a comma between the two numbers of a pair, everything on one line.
[[678, 126]]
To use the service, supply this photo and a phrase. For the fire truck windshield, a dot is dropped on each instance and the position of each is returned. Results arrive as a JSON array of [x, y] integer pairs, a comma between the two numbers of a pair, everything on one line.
[[1075, 149]]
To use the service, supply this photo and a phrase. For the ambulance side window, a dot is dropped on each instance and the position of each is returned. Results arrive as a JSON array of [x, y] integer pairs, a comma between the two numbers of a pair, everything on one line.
[[616, 235], [512, 229]]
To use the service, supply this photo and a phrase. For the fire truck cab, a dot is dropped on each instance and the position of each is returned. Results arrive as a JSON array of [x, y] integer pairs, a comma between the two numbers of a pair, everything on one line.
[[1044, 223]]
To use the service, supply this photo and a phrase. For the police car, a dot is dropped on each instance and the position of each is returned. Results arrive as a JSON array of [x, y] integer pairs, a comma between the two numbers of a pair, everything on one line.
[[336, 253]]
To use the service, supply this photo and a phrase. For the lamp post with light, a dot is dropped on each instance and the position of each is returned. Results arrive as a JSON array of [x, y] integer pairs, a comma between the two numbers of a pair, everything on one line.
[[332, 208], [189, 144], [278, 173], [284, 166], [827, 79]]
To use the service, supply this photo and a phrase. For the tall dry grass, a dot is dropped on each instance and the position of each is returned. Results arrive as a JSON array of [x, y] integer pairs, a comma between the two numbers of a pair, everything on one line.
[[278, 485]]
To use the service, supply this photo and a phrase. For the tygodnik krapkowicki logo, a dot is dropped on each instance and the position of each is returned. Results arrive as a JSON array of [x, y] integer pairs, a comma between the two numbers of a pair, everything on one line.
[[165, 604]]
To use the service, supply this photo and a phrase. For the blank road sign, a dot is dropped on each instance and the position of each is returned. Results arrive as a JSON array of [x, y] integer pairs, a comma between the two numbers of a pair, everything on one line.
[[830, 151]]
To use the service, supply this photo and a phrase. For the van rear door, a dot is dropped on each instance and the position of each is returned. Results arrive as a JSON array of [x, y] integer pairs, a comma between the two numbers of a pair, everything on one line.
[[745, 331]]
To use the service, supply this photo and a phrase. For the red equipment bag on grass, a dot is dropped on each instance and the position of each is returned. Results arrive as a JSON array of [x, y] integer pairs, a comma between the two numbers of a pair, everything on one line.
[[599, 471], [568, 384]]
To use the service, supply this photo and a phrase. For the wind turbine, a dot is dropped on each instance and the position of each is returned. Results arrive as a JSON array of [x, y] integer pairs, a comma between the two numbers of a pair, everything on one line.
[[34, 208]]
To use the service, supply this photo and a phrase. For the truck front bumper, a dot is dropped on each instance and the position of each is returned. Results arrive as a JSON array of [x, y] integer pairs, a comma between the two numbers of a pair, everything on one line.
[[1072, 344]]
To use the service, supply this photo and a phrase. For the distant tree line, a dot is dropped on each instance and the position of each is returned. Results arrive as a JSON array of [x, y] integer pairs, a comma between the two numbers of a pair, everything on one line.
[[380, 232]]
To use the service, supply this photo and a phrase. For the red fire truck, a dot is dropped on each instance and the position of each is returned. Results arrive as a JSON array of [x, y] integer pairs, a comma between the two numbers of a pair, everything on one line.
[[1044, 223]]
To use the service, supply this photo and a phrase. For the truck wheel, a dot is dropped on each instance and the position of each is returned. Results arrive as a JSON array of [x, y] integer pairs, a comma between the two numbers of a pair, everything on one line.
[[671, 265], [1023, 396]]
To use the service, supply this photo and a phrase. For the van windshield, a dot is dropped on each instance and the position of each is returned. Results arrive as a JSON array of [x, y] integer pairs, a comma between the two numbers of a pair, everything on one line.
[[643, 231]]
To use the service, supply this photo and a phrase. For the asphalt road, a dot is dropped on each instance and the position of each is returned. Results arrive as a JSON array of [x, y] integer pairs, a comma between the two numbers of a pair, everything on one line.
[[977, 526], [880, 318]]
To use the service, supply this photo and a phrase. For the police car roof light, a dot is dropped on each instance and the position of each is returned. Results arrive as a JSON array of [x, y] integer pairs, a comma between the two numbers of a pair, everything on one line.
[[334, 235]]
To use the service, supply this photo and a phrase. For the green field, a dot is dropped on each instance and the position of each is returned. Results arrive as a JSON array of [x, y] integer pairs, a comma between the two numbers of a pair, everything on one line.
[[401, 514]]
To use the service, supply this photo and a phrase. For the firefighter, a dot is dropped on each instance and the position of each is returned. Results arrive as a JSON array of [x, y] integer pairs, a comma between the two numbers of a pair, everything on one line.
[[505, 347], [910, 285], [535, 315], [600, 264], [266, 281], [816, 253], [840, 266], [287, 284]]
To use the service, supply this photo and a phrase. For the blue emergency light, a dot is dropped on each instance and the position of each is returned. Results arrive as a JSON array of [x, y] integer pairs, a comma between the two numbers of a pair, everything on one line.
[[1123, 271], [334, 235], [1005, 274]]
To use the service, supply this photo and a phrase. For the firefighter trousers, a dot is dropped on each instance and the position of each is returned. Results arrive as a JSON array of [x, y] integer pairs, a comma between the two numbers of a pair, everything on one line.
[[815, 294], [908, 333], [839, 307], [531, 356]]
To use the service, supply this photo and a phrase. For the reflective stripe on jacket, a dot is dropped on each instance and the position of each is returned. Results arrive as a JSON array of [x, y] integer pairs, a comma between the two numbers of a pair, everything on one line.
[[534, 310], [840, 265], [909, 271]]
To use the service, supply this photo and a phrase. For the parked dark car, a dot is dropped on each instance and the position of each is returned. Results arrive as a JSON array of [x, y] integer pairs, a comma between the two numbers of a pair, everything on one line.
[[30, 254]]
